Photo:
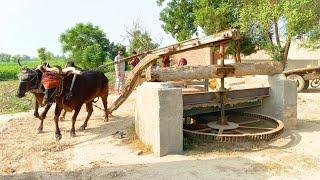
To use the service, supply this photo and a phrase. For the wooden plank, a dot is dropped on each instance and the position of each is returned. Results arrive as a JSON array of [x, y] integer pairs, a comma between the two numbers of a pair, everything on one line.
[[198, 43]]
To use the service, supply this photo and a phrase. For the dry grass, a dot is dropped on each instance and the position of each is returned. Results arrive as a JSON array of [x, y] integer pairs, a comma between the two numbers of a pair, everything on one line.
[[270, 167], [135, 142], [199, 147]]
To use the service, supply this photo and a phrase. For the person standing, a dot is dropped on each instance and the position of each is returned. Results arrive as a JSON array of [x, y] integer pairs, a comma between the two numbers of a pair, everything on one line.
[[120, 71]]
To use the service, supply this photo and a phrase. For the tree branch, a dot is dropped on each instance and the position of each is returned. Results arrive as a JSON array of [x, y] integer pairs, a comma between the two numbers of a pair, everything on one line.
[[276, 30], [269, 38], [285, 52]]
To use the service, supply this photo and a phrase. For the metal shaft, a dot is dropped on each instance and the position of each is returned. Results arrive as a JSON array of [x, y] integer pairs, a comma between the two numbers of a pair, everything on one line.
[[223, 120]]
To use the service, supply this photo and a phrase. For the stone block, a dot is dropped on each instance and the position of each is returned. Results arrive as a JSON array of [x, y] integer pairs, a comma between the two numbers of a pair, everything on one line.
[[282, 103], [159, 117]]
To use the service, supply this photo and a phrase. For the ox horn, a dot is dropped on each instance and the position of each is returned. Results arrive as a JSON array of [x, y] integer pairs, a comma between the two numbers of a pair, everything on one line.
[[19, 62]]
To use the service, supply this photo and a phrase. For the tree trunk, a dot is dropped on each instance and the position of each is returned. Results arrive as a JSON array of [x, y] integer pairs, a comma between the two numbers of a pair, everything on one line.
[[238, 49], [284, 53], [214, 71]]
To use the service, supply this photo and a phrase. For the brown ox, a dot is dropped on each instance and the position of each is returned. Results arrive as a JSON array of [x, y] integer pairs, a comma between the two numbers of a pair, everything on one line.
[[30, 81], [87, 86]]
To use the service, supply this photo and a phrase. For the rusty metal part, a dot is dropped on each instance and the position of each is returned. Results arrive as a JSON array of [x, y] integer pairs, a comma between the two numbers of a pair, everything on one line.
[[256, 127], [205, 97]]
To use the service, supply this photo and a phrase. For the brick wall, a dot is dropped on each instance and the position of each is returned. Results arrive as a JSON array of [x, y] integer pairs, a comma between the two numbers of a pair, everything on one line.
[[194, 57]]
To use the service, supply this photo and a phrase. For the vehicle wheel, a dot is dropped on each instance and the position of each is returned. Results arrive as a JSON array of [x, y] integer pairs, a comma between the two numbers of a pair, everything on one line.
[[300, 81], [315, 83]]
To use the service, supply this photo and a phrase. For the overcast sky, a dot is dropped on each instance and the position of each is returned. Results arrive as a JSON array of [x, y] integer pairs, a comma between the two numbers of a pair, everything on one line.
[[26, 25]]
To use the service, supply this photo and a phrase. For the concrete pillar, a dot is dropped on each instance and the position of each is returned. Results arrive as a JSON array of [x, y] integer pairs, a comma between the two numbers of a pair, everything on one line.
[[159, 117], [282, 103]]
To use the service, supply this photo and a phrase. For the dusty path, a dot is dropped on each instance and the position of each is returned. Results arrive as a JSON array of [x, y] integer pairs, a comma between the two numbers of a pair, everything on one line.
[[97, 154]]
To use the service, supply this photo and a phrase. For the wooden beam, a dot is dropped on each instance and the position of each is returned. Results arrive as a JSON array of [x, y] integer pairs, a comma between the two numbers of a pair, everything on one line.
[[198, 43], [191, 44], [214, 71]]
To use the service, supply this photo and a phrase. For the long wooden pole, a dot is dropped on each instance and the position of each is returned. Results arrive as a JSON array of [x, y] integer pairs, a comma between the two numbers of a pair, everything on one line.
[[214, 71]]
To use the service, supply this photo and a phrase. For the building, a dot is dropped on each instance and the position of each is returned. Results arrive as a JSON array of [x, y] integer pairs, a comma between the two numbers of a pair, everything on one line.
[[298, 57]]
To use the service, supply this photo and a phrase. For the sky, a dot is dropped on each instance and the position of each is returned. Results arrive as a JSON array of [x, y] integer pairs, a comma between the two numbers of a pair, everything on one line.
[[26, 25]]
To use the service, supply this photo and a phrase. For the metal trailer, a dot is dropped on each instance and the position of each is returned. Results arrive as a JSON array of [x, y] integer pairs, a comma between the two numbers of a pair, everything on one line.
[[304, 77]]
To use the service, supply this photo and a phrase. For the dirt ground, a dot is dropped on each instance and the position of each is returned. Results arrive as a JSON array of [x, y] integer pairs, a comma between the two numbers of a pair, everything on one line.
[[97, 154]]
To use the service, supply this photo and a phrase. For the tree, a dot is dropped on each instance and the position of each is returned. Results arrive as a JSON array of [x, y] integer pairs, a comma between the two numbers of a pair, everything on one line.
[[4, 57], [264, 24], [279, 22], [87, 45], [42, 55], [178, 18], [140, 39], [211, 16]]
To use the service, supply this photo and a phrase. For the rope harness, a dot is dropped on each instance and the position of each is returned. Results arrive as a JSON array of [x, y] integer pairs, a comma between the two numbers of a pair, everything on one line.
[[25, 76]]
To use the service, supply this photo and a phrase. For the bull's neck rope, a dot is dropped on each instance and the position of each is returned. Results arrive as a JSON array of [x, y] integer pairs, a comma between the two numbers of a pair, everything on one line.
[[60, 87]]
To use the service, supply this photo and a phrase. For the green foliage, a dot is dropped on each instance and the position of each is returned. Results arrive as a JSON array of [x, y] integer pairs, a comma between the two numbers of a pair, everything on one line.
[[87, 45], [178, 18], [5, 57], [42, 55]]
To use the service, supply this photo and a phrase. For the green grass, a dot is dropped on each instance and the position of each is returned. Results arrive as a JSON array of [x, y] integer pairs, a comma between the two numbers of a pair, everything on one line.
[[9, 70], [11, 104]]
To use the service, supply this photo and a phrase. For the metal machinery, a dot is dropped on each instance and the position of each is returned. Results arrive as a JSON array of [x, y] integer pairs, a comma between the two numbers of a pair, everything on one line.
[[218, 115], [203, 108]]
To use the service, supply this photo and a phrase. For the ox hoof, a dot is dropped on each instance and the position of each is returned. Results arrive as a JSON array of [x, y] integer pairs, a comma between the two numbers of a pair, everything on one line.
[[73, 134], [39, 130], [58, 137], [82, 128]]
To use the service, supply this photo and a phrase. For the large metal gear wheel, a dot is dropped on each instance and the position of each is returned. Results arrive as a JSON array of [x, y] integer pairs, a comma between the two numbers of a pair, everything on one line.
[[244, 127]]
